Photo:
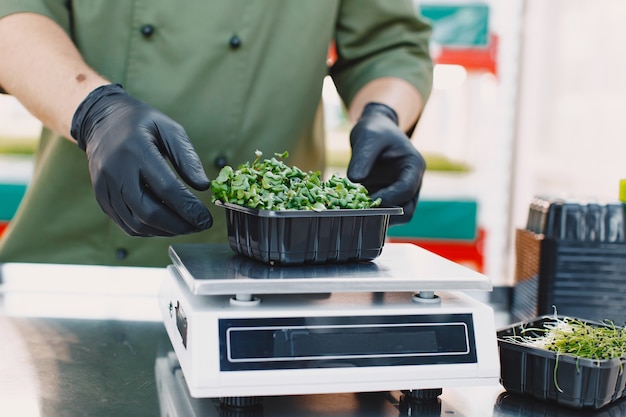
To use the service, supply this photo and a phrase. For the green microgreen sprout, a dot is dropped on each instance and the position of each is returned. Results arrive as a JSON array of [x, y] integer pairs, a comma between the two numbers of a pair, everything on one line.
[[577, 338], [270, 184]]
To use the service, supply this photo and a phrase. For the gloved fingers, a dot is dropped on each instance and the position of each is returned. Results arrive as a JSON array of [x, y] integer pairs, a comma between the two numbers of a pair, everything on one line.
[[109, 211], [401, 189], [169, 191], [359, 168], [408, 211], [150, 216], [364, 155], [183, 156], [117, 209], [137, 210], [398, 195]]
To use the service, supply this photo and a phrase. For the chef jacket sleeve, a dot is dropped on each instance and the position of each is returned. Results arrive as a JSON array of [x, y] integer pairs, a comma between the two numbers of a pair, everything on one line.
[[383, 39]]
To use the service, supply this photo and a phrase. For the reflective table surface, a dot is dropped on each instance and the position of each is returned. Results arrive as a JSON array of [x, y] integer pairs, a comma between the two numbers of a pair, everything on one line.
[[89, 341]]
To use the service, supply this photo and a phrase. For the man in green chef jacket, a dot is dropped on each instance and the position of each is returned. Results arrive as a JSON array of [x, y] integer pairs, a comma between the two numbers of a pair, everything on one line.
[[143, 101]]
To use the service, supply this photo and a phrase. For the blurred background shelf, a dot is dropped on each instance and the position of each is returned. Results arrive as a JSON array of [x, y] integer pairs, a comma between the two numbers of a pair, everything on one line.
[[15, 171]]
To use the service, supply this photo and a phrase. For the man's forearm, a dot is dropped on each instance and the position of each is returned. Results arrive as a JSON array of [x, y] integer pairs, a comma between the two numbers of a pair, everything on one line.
[[397, 93], [43, 69]]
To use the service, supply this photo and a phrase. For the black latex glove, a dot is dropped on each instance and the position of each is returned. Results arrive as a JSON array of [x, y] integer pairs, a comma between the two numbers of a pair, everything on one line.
[[128, 145], [385, 161]]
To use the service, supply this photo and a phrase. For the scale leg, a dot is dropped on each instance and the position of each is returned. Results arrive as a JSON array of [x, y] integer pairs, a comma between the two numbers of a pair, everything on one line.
[[422, 395], [241, 407], [420, 402]]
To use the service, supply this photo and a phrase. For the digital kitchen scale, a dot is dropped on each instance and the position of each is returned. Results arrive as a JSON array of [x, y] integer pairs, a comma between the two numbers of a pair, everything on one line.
[[241, 328]]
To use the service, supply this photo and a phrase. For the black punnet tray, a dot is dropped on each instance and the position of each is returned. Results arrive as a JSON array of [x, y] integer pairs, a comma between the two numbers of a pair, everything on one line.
[[565, 379], [292, 237]]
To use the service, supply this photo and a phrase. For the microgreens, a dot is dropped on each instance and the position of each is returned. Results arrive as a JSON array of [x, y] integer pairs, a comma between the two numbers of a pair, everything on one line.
[[574, 337], [270, 184]]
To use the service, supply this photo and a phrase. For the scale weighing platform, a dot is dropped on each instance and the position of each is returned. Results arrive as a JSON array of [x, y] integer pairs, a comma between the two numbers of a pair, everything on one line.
[[244, 329]]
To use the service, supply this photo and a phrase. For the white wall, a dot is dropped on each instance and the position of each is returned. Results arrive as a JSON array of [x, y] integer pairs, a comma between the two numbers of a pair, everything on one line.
[[552, 123], [571, 136], [574, 97], [473, 121]]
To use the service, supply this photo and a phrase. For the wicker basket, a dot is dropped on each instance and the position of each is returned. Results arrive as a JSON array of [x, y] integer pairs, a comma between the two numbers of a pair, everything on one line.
[[526, 285], [527, 253]]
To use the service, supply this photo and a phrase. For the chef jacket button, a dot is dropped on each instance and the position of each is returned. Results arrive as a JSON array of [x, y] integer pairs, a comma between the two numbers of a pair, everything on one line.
[[147, 30], [220, 162], [235, 42], [121, 253]]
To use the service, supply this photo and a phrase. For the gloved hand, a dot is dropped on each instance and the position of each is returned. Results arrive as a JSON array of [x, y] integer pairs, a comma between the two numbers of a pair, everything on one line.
[[385, 161], [128, 145]]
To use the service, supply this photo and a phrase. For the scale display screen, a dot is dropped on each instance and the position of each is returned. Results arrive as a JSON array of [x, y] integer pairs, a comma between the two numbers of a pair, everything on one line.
[[363, 341]]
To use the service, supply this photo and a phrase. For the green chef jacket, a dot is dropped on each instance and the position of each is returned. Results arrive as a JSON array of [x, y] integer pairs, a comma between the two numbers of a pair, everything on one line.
[[239, 75]]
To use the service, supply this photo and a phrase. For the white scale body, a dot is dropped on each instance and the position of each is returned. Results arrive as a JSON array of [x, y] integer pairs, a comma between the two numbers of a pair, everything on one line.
[[240, 328]]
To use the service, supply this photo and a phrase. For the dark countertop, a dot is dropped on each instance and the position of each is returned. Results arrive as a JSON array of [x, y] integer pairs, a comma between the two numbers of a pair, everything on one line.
[[88, 341]]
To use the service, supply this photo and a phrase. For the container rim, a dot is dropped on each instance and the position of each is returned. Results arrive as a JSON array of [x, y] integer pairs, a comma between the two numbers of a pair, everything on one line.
[[376, 211], [503, 339]]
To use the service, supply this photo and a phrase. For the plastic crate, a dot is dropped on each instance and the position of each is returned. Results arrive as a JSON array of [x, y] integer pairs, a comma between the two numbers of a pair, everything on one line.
[[440, 220], [10, 198], [583, 279], [469, 253], [292, 237], [572, 257], [535, 372]]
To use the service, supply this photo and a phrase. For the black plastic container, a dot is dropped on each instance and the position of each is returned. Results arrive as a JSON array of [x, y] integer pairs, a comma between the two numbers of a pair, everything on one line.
[[582, 383], [292, 237], [515, 405], [583, 279], [571, 257]]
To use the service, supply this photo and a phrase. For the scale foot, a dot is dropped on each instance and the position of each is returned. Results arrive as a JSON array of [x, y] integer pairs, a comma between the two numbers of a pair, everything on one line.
[[429, 408], [241, 407], [422, 395]]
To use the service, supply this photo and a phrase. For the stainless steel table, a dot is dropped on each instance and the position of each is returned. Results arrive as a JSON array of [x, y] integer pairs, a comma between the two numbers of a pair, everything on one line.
[[89, 341]]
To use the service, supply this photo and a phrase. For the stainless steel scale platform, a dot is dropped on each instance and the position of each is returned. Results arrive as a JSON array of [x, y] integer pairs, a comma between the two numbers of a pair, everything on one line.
[[240, 328]]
